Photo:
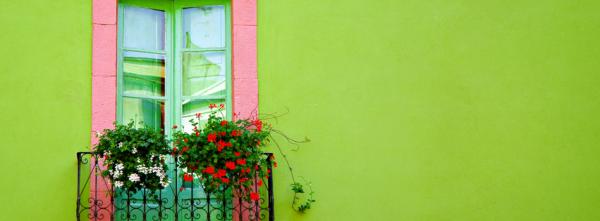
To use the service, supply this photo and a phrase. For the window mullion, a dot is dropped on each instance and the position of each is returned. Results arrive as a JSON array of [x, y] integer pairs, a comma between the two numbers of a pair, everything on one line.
[[144, 96], [171, 72], [143, 50], [221, 49]]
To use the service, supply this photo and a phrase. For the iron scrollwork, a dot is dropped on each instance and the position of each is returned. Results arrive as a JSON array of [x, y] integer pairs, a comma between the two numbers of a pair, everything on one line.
[[98, 200]]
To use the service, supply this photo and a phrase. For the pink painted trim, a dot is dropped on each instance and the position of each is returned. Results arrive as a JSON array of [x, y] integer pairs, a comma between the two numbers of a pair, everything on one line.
[[244, 73], [104, 64], [104, 77]]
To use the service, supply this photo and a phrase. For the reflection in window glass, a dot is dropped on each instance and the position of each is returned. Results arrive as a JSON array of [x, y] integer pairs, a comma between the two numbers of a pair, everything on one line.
[[204, 27], [204, 74], [144, 28], [144, 73], [148, 111], [191, 107]]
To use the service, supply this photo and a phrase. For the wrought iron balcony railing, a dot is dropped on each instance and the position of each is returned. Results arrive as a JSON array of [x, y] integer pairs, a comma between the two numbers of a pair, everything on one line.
[[180, 201]]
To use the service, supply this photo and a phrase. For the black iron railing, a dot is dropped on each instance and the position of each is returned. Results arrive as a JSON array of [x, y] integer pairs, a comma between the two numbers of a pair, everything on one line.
[[180, 201]]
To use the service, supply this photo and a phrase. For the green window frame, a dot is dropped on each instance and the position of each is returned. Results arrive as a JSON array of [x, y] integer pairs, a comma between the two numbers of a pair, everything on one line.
[[174, 55]]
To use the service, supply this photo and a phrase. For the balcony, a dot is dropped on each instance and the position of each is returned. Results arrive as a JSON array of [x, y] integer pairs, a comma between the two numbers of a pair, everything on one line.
[[180, 201]]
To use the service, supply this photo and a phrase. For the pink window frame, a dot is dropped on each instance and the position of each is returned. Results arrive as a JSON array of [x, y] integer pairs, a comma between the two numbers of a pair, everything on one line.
[[104, 66], [104, 61]]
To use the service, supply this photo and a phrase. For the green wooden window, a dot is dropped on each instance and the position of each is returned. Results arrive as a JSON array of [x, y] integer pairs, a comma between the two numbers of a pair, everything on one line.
[[174, 59]]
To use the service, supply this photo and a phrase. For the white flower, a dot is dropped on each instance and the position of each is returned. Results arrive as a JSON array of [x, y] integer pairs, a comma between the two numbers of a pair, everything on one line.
[[118, 184], [134, 150], [98, 134], [164, 182], [134, 177], [143, 169], [120, 144], [161, 157], [117, 174], [119, 166]]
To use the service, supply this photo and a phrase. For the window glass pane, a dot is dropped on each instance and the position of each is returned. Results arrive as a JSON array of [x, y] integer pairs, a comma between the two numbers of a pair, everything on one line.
[[204, 74], [144, 28], [144, 73], [150, 112], [204, 27], [191, 107]]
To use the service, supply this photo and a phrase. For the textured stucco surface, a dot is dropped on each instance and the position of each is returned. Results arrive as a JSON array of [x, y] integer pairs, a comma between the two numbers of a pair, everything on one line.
[[436, 110], [45, 71]]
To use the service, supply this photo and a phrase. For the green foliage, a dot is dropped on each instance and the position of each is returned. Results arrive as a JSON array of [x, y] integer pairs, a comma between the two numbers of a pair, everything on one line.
[[134, 157], [298, 189]]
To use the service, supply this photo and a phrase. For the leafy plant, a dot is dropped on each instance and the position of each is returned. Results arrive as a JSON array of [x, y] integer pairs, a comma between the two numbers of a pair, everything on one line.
[[298, 189], [224, 153], [134, 157]]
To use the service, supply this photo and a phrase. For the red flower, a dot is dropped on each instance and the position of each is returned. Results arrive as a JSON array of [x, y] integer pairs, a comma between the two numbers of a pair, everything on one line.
[[221, 106], [188, 177], [259, 182], [185, 140], [180, 189], [235, 133], [221, 173], [254, 196], [211, 106], [174, 126], [258, 124], [258, 143], [197, 133], [222, 133], [220, 145], [223, 123], [274, 164], [241, 161], [230, 165], [211, 137], [237, 154], [225, 180], [209, 170], [185, 149], [243, 179], [198, 115], [228, 144]]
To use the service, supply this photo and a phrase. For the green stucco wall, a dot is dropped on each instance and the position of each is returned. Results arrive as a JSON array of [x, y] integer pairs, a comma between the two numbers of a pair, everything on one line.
[[437, 110], [45, 77], [417, 110]]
